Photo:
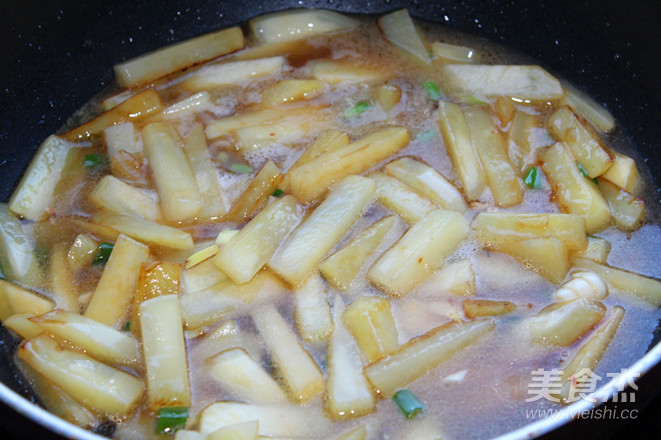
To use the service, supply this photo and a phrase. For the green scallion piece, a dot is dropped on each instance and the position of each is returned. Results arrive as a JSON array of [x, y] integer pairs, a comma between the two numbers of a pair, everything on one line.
[[432, 90], [278, 192], [410, 405], [359, 108], [171, 419], [105, 249], [533, 179], [241, 168], [127, 326], [426, 136], [95, 160]]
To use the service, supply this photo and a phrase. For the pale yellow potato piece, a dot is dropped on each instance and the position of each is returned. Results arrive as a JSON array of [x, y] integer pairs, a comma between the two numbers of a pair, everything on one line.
[[252, 247], [428, 182], [201, 276], [62, 282], [348, 393], [453, 52], [114, 195], [124, 137], [173, 58], [206, 175], [519, 142], [327, 142], [589, 355], [419, 252], [388, 96], [20, 323], [573, 192], [97, 340], [311, 181], [585, 146], [99, 387], [114, 292], [230, 124], [15, 299], [293, 90], [297, 370], [359, 433], [597, 250], [17, 258], [460, 148], [82, 252], [424, 353], [547, 256], [164, 350], [399, 29], [400, 198], [627, 211], [194, 103], [311, 310], [588, 108], [144, 230], [238, 431], [564, 323], [372, 324], [342, 267], [624, 173], [503, 227], [298, 24], [505, 111], [478, 308], [201, 256], [526, 83], [635, 284], [504, 181], [233, 72], [457, 278], [299, 255], [337, 71], [261, 187], [172, 173], [239, 374]]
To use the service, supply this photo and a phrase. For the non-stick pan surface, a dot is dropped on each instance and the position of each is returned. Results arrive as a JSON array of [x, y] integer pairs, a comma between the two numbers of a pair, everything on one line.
[[55, 55]]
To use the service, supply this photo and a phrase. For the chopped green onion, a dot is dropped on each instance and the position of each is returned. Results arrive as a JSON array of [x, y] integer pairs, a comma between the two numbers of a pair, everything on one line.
[[410, 405], [105, 249], [127, 326], [533, 179], [426, 136], [171, 419], [585, 173], [359, 108], [240, 168], [278, 192], [95, 160], [432, 90]]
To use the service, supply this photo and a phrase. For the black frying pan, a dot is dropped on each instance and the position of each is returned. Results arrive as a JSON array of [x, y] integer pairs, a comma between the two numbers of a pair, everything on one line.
[[57, 55]]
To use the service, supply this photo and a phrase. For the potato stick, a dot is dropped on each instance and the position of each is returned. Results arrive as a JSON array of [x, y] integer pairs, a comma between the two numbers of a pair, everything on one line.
[[519, 144], [249, 250], [547, 256], [134, 108], [156, 278], [399, 29], [274, 421], [201, 276], [311, 180], [293, 90], [635, 284], [460, 148], [82, 252], [342, 267], [327, 142], [590, 353], [16, 250], [97, 231], [588, 108], [573, 192], [298, 24], [96, 385], [478, 308], [372, 324], [388, 96], [457, 278], [585, 146], [206, 175], [15, 299], [505, 111], [504, 227], [627, 211], [172, 173], [297, 257], [201, 256], [312, 312], [419, 252], [400, 198], [428, 182], [359, 433], [229, 124], [564, 323], [504, 181], [20, 324], [144, 230], [62, 282], [173, 58], [261, 187], [337, 71], [287, 131], [623, 173], [526, 83], [112, 194], [34, 192], [424, 353], [234, 72], [97, 340], [197, 102], [114, 292], [597, 250], [164, 352], [453, 52], [122, 137], [238, 431], [245, 379], [298, 371], [348, 393]]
